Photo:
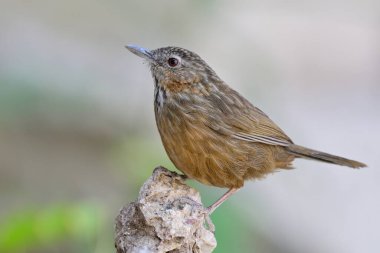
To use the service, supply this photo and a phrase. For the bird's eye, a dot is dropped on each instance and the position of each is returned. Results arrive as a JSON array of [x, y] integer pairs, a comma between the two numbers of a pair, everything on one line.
[[173, 62]]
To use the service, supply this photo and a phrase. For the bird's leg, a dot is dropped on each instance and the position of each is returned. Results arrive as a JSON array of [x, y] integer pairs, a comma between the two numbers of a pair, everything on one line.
[[225, 196]]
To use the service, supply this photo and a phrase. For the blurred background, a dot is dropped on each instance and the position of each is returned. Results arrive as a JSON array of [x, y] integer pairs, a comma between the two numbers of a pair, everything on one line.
[[78, 136]]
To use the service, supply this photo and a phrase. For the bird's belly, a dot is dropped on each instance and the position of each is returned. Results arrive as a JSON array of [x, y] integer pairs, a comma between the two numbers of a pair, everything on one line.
[[202, 154]]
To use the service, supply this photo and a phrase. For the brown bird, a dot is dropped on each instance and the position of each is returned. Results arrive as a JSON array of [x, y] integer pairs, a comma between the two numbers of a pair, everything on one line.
[[212, 133]]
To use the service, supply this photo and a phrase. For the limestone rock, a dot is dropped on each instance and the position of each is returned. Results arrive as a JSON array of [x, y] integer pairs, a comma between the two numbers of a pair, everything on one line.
[[168, 216]]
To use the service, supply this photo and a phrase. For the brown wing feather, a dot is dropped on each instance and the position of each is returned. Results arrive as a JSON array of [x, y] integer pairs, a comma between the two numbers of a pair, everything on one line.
[[252, 125]]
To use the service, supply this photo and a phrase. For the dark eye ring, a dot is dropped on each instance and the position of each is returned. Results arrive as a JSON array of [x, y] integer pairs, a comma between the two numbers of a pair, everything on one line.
[[172, 61]]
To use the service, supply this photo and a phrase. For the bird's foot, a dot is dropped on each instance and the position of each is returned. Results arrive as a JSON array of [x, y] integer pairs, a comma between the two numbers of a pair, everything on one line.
[[209, 210]]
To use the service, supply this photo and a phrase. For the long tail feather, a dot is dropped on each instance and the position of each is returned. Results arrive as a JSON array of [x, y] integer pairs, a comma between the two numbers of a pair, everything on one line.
[[324, 157]]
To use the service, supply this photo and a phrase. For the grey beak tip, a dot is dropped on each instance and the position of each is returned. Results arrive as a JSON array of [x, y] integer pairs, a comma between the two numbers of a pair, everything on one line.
[[139, 51], [131, 46]]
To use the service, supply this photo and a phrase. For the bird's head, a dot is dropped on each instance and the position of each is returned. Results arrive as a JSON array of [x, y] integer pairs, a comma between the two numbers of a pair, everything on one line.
[[176, 69]]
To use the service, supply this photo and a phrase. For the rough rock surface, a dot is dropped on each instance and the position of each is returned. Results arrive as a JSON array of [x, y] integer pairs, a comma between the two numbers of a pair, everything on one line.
[[168, 216]]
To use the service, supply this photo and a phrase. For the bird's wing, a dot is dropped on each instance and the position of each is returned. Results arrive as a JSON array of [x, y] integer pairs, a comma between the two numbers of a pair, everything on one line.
[[261, 129], [243, 121]]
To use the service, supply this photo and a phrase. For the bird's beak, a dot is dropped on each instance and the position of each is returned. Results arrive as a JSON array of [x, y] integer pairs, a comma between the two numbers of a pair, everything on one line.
[[140, 51]]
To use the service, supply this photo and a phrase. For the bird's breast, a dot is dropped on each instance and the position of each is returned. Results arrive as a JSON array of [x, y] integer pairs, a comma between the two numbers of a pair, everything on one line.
[[195, 148]]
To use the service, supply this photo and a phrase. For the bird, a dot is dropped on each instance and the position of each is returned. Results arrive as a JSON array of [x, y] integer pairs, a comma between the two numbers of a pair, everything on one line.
[[210, 132]]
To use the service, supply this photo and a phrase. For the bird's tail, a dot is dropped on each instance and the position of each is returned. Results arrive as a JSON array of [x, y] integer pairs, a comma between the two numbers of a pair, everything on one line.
[[323, 157]]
